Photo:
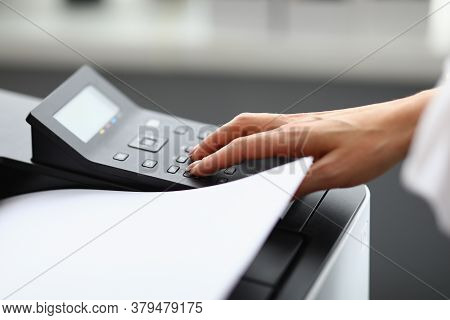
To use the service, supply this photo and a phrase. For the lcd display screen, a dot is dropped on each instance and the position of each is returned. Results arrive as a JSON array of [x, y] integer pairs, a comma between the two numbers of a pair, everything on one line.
[[87, 113]]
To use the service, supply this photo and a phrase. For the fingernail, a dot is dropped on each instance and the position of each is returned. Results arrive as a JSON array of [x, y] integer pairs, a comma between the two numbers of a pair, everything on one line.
[[193, 165], [193, 150]]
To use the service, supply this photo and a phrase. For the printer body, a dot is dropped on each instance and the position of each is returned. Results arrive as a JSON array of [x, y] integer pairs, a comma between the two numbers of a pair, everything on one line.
[[318, 250]]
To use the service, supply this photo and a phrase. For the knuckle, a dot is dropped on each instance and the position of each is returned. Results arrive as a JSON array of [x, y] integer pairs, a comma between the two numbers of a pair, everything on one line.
[[238, 148], [311, 116], [244, 117], [205, 147], [315, 117], [237, 143]]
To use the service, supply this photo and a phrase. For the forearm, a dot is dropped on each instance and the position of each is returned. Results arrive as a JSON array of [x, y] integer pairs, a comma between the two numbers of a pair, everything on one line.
[[400, 117]]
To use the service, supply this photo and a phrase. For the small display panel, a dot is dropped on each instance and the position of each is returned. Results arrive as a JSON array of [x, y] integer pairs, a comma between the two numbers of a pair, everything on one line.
[[87, 113]]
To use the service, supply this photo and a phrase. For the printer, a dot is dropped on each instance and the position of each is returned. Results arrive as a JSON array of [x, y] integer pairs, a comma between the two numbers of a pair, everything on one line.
[[318, 250]]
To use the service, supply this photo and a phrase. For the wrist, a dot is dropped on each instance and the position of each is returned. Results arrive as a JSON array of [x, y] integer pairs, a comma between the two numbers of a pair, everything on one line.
[[403, 116]]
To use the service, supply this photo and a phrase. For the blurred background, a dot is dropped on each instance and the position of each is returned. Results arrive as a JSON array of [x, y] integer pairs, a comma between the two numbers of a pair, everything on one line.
[[210, 60]]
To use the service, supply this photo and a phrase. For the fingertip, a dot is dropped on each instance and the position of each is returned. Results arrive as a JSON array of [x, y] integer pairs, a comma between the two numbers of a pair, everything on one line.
[[191, 167], [200, 151], [199, 154], [192, 151], [199, 168], [193, 157]]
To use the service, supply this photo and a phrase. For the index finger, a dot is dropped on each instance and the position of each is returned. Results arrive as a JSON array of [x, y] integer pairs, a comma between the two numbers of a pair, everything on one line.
[[242, 125], [256, 146]]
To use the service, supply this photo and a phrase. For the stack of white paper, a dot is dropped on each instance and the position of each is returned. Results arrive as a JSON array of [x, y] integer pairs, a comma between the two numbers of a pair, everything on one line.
[[84, 244]]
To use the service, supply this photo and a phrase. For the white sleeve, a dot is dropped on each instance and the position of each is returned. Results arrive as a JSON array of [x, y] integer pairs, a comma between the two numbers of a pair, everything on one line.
[[426, 169]]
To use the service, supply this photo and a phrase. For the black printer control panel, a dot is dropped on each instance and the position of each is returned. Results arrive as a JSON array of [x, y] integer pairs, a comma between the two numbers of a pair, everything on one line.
[[87, 126]]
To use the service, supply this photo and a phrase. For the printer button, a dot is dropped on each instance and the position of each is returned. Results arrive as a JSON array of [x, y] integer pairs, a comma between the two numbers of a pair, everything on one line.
[[153, 123], [181, 130], [188, 149], [148, 143], [230, 170], [182, 159], [173, 169], [187, 174], [120, 156], [149, 163]]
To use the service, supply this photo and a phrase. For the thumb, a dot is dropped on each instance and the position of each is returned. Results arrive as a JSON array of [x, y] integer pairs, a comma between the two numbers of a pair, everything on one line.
[[321, 176]]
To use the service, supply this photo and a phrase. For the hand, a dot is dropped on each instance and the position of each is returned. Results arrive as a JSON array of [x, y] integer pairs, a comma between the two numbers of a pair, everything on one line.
[[349, 146]]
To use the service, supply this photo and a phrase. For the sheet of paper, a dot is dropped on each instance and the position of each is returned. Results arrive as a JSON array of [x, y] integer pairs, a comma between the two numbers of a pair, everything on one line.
[[85, 244]]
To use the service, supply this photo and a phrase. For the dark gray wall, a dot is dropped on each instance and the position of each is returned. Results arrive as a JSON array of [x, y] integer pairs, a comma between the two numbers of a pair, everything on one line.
[[410, 256]]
